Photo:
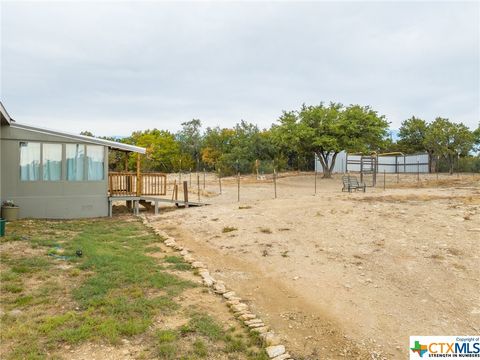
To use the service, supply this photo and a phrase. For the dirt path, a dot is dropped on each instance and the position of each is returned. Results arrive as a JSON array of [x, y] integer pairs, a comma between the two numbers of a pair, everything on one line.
[[344, 275]]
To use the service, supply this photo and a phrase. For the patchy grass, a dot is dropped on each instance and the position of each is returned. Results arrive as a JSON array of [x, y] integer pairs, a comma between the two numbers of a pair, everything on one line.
[[228, 229], [115, 290], [200, 348], [108, 289], [177, 263], [207, 336]]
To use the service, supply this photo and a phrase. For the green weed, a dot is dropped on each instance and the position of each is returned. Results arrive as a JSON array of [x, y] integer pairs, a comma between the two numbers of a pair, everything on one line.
[[12, 288], [206, 325], [199, 348]]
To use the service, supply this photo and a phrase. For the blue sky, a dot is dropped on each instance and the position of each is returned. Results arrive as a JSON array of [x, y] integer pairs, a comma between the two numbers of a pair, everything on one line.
[[114, 67]]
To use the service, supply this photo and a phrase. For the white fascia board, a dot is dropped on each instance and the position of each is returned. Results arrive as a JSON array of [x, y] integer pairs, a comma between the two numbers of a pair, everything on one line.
[[82, 138]]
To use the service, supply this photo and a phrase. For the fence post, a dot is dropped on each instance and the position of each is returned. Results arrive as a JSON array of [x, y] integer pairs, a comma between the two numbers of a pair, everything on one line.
[[361, 169], [384, 178], [198, 187], [315, 180], [238, 186], [174, 187], [458, 165], [275, 182], [220, 181], [180, 173], [418, 171], [185, 193], [204, 175]]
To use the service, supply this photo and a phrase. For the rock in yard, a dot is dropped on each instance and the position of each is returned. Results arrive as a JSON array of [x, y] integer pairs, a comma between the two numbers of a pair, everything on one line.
[[270, 339], [253, 321], [247, 316], [240, 313], [208, 280], [275, 350], [239, 307], [229, 294], [198, 264], [162, 234], [256, 325], [235, 298], [260, 330], [219, 287], [233, 302], [282, 357]]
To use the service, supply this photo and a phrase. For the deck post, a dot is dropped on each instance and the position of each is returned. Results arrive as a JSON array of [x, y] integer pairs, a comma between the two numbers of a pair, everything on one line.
[[139, 180]]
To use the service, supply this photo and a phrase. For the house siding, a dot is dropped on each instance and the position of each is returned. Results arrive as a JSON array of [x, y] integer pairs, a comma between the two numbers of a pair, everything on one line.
[[48, 199], [1, 163]]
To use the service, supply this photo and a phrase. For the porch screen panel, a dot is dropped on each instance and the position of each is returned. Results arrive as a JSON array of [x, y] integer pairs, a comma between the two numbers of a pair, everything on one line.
[[29, 161], [52, 162], [75, 155], [96, 162]]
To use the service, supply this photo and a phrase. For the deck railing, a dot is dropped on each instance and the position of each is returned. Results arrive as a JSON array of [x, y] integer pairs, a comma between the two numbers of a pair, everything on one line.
[[154, 184], [127, 184]]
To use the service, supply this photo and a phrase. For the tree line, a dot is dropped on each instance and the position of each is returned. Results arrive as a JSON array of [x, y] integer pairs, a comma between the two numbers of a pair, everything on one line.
[[292, 141]]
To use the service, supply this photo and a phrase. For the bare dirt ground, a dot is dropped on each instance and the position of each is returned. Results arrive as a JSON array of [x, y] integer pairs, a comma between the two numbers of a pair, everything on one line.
[[344, 275]]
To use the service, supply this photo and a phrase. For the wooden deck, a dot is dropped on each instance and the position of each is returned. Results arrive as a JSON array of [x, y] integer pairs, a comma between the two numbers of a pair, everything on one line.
[[133, 184]]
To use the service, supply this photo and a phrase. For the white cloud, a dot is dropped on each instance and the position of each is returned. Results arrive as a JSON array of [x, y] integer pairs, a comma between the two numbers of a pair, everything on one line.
[[114, 67]]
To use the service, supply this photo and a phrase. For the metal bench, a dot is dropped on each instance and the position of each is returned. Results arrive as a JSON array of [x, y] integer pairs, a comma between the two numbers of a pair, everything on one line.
[[351, 183]]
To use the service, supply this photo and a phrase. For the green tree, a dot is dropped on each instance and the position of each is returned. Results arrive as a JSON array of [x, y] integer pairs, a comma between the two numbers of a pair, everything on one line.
[[285, 136], [87, 133], [190, 139], [216, 142], [449, 140], [476, 138], [412, 135], [232, 150], [162, 149], [327, 130]]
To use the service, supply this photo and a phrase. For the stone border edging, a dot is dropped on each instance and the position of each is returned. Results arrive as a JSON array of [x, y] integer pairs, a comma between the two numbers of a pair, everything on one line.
[[241, 311]]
